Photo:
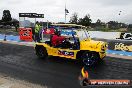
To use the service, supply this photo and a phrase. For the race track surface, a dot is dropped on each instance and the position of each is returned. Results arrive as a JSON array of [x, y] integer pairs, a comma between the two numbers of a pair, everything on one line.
[[20, 62]]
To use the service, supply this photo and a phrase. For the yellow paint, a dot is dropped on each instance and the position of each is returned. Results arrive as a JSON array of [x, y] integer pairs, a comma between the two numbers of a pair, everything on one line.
[[123, 47], [87, 44], [54, 51]]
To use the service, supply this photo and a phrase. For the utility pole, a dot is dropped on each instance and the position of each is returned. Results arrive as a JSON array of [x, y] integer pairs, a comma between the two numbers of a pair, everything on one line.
[[65, 13], [47, 24]]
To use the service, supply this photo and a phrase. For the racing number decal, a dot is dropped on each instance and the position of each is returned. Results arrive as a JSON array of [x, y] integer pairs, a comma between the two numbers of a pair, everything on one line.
[[66, 53]]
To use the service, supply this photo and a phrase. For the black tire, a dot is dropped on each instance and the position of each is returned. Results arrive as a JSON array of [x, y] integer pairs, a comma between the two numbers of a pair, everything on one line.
[[101, 62], [41, 52], [90, 58]]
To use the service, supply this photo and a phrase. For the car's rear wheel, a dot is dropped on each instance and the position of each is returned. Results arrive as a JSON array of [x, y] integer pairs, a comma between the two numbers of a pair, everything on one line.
[[90, 58], [41, 52]]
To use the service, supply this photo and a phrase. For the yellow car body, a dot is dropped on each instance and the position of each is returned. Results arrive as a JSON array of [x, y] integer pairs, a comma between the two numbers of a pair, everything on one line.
[[86, 45]]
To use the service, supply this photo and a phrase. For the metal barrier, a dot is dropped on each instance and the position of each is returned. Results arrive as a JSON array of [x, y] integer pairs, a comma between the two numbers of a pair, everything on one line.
[[118, 45]]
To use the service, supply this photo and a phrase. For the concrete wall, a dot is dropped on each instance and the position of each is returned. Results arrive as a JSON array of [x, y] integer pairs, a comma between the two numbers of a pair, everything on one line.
[[104, 35]]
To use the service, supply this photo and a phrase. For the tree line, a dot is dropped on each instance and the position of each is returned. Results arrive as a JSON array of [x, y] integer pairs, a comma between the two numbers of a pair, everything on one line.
[[87, 21], [8, 20], [74, 19]]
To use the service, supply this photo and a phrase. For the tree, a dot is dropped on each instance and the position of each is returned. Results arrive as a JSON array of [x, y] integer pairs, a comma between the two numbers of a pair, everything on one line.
[[80, 21], [15, 23], [129, 28], [74, 18], [98, 23], [7, 20], [0, 22], [113, 25], [86, 21], [6, 16]]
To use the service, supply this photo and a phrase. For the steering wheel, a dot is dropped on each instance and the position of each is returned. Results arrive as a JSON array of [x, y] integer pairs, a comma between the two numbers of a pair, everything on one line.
[[66, 43]]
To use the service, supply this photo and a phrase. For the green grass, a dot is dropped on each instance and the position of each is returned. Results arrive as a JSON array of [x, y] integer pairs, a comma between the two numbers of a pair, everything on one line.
[[8, 31], [108, 30]]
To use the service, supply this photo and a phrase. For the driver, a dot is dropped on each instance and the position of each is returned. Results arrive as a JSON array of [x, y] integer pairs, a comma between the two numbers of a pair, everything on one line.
[[56, 39]]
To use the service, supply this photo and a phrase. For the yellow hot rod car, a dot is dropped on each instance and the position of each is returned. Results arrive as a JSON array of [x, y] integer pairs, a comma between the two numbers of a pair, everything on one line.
[[71, 41]]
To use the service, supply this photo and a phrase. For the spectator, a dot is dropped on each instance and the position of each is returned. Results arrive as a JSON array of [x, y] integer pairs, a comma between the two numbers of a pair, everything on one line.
[[37, 29]]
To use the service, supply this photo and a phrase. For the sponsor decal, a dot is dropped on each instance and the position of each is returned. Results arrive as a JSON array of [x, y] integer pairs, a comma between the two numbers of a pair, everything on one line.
[[66, 53], [119, 45], [84, 80], [125, 36], [123, 47], [25, 34], [31, 15], [106, 82]]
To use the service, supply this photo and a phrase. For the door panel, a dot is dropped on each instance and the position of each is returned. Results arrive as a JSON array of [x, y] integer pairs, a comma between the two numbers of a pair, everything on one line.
[[67, 53]]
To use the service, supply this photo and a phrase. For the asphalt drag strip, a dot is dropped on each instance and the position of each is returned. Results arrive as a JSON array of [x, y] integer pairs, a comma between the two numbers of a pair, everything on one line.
[[20, 62]]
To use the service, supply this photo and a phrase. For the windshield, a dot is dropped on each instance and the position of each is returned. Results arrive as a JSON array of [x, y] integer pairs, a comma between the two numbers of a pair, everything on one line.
[[83, 34], [70, 31]]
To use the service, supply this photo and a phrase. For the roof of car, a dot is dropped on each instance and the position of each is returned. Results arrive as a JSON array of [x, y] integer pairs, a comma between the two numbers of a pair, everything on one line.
[[68, 25]]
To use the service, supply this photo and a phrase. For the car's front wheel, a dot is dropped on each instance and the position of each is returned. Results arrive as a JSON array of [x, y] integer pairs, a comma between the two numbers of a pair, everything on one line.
[[90, 58]]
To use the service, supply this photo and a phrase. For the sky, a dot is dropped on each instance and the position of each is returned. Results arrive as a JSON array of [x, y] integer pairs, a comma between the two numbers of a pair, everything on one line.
[[53, 10]]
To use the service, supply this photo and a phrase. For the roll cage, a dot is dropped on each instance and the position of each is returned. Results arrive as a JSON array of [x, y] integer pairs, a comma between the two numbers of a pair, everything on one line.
[[68, 30]]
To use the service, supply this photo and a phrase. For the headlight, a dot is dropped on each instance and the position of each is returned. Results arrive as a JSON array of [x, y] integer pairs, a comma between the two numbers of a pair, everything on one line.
[[104, 47]]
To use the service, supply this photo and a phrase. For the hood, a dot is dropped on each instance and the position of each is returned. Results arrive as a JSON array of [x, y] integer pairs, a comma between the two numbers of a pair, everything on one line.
[[91, 45]]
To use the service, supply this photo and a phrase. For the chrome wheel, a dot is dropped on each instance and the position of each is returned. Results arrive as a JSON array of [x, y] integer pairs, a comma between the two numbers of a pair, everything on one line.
[[89, 58]]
